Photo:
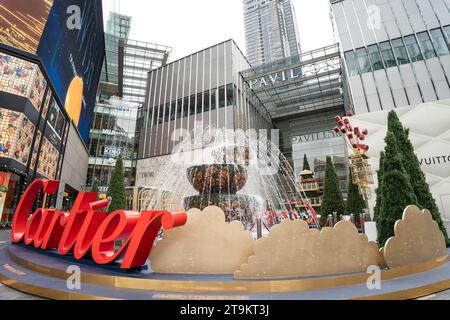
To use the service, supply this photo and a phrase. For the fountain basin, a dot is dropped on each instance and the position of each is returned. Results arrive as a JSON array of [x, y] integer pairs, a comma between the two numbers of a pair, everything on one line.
[[217, 178], [235, 206]]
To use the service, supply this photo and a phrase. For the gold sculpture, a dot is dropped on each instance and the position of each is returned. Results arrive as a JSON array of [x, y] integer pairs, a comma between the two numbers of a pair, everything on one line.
[[207, 244], [417, 239], [294, 250]]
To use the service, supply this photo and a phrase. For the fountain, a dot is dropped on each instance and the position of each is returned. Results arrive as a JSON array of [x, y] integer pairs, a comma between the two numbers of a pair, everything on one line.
[[218, 184], [244, 174]]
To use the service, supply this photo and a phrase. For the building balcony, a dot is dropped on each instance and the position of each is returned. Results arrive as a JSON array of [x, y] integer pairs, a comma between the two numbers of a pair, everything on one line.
[[310, 186]]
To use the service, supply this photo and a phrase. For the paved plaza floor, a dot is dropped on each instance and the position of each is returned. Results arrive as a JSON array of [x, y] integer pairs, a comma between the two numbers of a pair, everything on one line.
[[7, 293]]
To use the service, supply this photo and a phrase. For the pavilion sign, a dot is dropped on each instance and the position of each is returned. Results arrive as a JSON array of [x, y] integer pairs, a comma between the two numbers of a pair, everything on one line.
[[275, 78]]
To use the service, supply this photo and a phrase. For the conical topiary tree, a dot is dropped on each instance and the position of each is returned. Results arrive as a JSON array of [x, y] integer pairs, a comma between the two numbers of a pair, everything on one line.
[[396, 191], [377, 208], [306, 163], [355, 202], [95, 187], [332, 196], [412, 167], [116, 188]]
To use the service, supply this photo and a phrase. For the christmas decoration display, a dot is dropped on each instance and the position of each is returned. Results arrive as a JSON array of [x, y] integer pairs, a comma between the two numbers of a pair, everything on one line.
[[361, 170]]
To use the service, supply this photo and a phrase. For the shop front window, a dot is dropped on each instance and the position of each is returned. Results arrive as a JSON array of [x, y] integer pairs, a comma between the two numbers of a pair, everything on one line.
[[10, 185]]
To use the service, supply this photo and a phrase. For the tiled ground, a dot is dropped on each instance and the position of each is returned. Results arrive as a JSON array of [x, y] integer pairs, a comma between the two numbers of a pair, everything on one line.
[[7, 293]]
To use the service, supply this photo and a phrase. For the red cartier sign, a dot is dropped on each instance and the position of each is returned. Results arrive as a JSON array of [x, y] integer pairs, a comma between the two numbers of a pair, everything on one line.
[[86, 231]]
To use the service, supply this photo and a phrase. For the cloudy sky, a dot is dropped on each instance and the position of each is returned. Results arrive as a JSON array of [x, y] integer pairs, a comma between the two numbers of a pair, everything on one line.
[[189, 26]]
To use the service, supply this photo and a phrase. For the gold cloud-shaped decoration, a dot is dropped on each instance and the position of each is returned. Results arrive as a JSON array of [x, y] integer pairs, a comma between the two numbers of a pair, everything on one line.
[[417, 239], [206, 244], [294, 250]]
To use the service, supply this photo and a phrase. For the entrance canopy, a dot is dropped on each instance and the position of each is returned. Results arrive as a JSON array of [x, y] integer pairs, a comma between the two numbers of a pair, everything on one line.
[[304, 83]]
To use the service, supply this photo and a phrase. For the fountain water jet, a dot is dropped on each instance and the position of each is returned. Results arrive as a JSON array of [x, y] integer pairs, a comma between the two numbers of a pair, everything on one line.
[[240, 172]]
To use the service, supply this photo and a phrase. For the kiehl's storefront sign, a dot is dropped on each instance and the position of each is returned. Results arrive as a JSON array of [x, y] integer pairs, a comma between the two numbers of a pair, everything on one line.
[[87, 230]]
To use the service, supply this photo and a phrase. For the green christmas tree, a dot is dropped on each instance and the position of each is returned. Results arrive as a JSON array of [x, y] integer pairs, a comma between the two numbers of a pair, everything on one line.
[[116, 188], [396, 191], [412, 167], [377, 208], [312, 194], [355, 202], [94, 187], [306, 164], [332, 197]]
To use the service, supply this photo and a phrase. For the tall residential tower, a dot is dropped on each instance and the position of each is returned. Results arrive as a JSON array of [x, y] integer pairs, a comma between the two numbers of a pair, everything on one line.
[[271, 30]]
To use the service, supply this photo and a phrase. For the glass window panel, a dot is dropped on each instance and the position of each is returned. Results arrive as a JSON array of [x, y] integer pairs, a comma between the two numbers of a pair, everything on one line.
[[230, 95], [192, 106], [222, 97], [213, 99], [426, 45], [167, 112], [172, 110], [439, 42], [363, 60], [206, 101], [375, 57], [388, 55], [199, 102], [186, 107], [413, 48], [161, 114], [352, 65], [447, 31], [179, 102], [400, 51], [155, 115]]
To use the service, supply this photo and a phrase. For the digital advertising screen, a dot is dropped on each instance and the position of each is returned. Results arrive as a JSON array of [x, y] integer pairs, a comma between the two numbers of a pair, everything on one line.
[[72, 51], [22, 22]]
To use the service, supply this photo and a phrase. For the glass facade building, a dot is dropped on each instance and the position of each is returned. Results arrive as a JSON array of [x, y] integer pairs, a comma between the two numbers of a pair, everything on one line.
[[271, 30], [202, 90], [122, 92], [397, 53], [303, 94], [33, 127]]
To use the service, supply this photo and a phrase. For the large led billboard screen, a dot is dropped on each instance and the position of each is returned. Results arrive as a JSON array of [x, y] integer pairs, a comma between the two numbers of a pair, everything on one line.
[[22, 22], [72, 49]]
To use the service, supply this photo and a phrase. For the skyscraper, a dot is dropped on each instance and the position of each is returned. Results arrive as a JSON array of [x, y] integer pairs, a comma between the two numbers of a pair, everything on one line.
[[122, 92], [271, 30]]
